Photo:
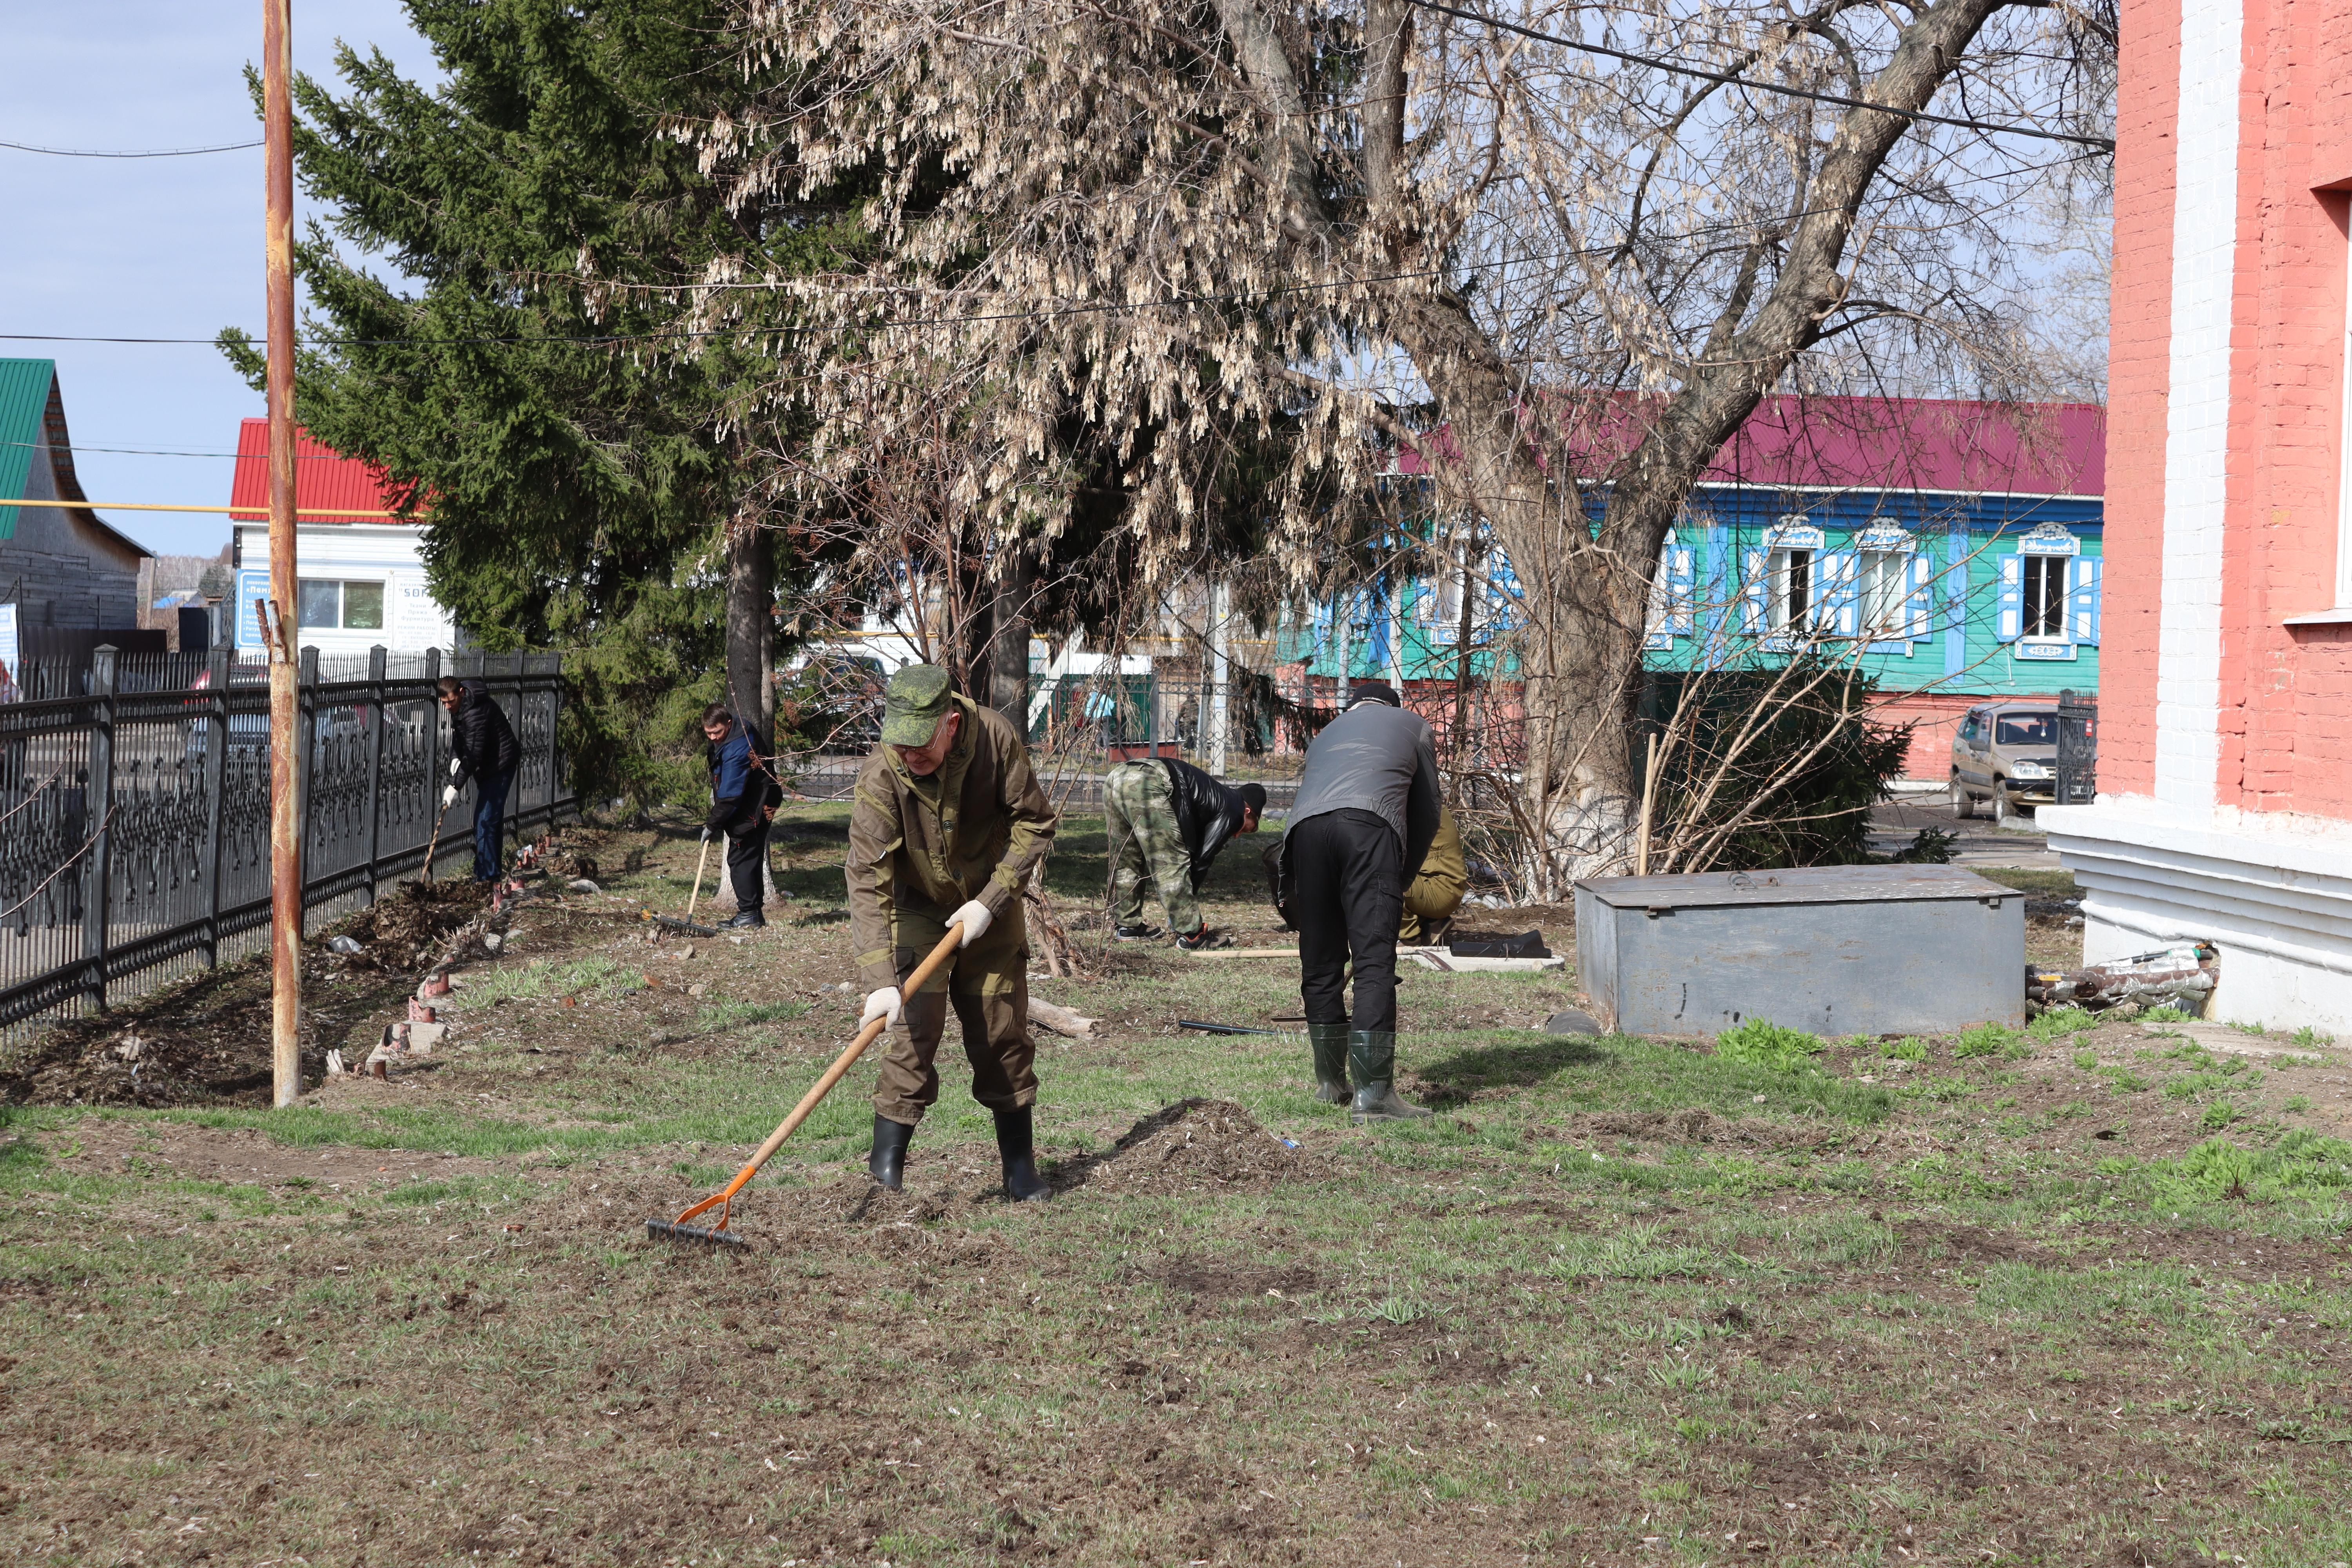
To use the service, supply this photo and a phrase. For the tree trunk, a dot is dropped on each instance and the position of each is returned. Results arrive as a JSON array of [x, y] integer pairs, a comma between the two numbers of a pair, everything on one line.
[[1008, 654], [751, 642], [750, 628]]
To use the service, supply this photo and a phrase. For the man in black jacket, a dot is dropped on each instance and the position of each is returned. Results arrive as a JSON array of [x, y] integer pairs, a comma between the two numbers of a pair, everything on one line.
[[484, 749], [743, 797], [1167, 821], [1366, 812]]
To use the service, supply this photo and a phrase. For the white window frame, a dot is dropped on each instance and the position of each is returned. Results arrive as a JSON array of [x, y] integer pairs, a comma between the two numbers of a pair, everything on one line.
[[2048, 540], [2045, 566], [342, 586]]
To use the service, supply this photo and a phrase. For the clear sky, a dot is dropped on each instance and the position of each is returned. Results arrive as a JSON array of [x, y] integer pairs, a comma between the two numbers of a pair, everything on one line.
[[163, 247]]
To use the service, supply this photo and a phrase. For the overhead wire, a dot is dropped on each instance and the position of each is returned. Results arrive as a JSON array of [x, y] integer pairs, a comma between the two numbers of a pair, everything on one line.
[[1733, 79], [1086, 308], [156, 152]]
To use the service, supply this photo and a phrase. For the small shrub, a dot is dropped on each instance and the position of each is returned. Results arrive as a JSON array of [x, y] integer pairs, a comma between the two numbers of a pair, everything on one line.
[[2057, 1021], [1984, 1040], [2310, 1039], [2219, 1114], [2087, 1060], [1765, 1044], [2299, 1164], [1909, 1048]]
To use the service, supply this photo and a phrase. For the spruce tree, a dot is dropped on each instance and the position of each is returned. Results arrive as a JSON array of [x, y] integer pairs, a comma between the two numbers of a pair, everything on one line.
[[527, 369]]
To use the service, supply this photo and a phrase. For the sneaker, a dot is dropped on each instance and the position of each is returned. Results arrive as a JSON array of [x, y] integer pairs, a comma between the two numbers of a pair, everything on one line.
[[1199, 939], [1136, 932]]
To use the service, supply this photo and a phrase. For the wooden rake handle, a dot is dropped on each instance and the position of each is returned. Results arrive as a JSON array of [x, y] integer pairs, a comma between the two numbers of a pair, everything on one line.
[[833, 1075], [695, 897]]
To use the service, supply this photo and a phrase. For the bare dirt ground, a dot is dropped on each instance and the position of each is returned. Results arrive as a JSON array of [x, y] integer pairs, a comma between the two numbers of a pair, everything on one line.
[[2072, 1295]]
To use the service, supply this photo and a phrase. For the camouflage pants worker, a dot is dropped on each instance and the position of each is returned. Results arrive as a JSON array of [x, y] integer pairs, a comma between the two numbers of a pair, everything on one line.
[[988, 986], [1146, 850]]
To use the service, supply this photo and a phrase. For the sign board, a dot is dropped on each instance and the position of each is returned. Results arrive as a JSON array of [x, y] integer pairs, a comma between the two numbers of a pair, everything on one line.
[[250, 585]]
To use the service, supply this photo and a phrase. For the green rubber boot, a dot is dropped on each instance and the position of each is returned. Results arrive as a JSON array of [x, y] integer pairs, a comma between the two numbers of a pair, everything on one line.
[[1372, 1060], [1330, 1043]]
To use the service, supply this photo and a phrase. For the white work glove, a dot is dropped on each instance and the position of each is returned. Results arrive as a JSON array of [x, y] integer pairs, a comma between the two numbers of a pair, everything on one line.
[[448, 797], [976, 920], [457, 764], [883, 1004]]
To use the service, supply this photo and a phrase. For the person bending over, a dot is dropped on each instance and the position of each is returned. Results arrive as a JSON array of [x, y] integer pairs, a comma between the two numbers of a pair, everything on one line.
[[483, 749], [1367, 808], [1167, 821]]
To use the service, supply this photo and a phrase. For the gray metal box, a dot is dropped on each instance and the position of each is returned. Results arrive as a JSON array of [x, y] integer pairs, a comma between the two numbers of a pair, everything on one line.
[[1832, 949]]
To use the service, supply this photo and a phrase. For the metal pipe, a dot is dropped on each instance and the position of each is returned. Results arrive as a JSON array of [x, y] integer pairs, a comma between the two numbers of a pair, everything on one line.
[[379, 514], [285, 805]]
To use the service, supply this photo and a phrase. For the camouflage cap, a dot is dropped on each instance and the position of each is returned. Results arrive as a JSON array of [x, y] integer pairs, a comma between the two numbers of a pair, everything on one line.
[[913, 705]]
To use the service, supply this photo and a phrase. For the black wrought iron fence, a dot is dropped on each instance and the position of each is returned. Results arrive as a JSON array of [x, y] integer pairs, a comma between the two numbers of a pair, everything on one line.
[[1081, 725], [134, 807], [2078, 748]]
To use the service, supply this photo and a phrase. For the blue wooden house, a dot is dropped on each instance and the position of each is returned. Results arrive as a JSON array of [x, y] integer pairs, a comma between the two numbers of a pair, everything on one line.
[[1958, 543]]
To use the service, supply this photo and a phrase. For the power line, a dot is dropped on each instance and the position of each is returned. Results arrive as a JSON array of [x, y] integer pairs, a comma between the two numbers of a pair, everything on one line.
[[1727, 78], [160, 452], [1091, 307], [159, 152]]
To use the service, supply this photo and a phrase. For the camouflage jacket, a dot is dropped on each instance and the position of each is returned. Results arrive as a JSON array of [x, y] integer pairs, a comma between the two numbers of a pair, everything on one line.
[[971, 830]]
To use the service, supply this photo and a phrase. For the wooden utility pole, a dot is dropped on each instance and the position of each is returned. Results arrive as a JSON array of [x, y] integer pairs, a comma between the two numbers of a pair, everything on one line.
[[285, 801]]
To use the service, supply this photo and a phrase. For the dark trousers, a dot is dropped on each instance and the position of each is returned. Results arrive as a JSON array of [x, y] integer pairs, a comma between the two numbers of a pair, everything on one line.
[[1347, 896], [747, 852], [490, 823]]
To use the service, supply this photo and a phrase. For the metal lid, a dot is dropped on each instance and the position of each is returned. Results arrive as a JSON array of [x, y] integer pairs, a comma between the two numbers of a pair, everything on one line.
[[1798, 885]]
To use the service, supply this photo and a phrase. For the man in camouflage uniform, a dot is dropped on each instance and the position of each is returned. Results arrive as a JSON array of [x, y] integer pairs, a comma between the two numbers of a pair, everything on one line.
[[1438, 889], [949, 821], [1167, 821]]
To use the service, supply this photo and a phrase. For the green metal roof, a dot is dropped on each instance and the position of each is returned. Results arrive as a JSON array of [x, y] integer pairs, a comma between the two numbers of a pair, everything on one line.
[[25, 387]]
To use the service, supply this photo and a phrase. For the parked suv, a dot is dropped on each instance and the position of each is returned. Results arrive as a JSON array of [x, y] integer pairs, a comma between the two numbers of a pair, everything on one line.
[[2008, 752]]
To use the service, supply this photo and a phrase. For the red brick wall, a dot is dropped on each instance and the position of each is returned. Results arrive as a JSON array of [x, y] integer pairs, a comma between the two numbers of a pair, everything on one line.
[[2139, 334], [2287, 691]]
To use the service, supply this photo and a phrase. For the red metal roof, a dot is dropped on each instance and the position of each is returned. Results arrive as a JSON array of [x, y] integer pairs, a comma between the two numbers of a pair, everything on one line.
[[1873, 443], [323, 478]]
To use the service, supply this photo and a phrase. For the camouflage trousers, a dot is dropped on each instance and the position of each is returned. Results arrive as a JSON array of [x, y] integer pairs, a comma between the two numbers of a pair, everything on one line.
[[1147, 852]]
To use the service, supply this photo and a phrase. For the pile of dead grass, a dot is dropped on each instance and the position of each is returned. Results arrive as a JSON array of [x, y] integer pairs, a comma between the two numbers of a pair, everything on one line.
[[402, 933]]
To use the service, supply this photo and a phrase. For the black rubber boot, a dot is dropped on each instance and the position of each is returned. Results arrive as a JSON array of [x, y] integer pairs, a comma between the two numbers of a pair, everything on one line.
[[1015, 1142], [1371, 1062], [745, 919], [1330, 1043], [888, 1163]]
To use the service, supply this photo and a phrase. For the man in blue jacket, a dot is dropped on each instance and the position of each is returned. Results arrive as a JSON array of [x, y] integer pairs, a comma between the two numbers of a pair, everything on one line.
[[484, 749], [743, 796]]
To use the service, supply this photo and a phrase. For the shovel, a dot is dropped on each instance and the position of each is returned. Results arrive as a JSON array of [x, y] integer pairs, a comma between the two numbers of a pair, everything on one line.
[[717, 1234]]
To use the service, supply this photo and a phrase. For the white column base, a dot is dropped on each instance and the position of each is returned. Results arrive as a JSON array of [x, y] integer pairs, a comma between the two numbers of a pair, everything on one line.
[[2273, 893]]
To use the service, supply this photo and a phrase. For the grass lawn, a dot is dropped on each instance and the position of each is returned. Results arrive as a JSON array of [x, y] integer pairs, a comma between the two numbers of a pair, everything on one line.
[[2075, 1295]]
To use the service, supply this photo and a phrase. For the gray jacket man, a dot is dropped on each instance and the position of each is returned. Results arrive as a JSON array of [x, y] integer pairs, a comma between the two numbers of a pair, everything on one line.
[[1366, 812]]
